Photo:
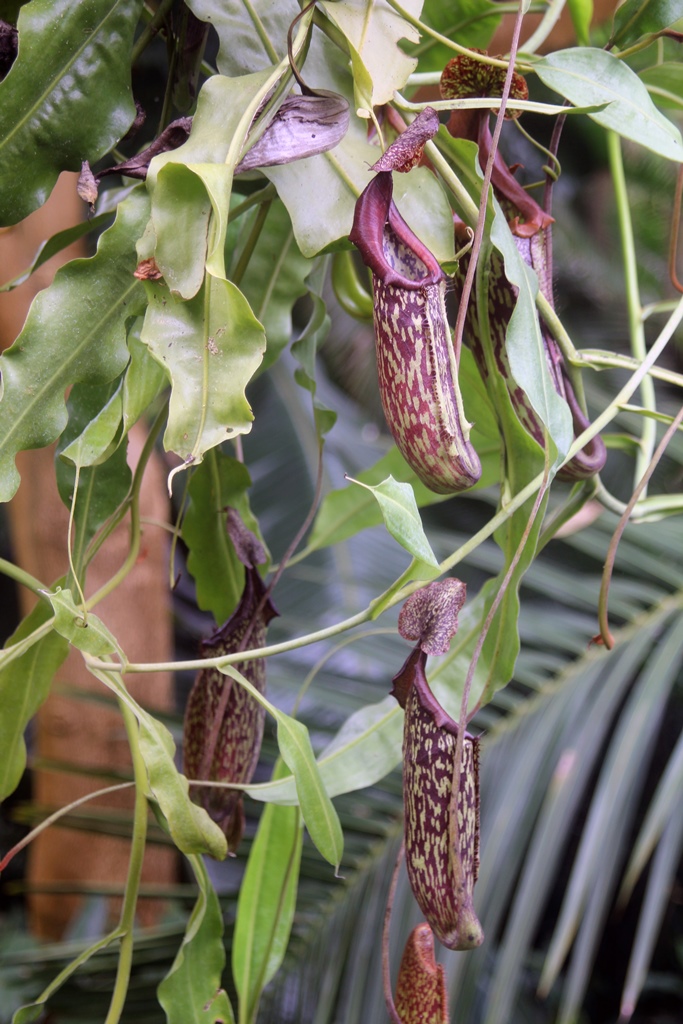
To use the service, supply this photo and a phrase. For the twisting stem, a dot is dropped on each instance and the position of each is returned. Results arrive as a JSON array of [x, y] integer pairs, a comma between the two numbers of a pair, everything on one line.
[[675, 227]]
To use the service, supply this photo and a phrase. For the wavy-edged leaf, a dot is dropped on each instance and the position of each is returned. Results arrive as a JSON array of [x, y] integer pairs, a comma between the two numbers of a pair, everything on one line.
[[67, 96], [94, 421], [24, 685], [245, 43], [588, 76], [220, 482], [267, 898], [191, 992], [373, 32], [210, 347], [637, 18], [143, 380], [191, 182], [75, 332]]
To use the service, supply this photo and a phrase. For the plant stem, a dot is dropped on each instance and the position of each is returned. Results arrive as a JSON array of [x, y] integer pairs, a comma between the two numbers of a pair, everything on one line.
[[137, 852], [635, 313], [151, 29], [250, 244], [23, 577], [134, 549]]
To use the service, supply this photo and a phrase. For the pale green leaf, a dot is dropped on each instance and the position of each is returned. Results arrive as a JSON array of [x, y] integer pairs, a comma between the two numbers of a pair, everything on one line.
[[401, 517], [191, 992], [588, 76], [67, 97], [191, 182], [242, 50], [143, 380], [581, 12], [266, 902], [86, 632], [373, 32], [75, 331], [210, 347], [93, 443]]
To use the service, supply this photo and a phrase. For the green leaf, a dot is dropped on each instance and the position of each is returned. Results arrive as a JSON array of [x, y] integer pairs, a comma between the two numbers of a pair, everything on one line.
[[366, 748], [67, 97], [24, 685], [143, 380], [274, 279], [665, 84], [98, 424], [33, 1011], [243, 50], [87, 633], [75, 331], [266, 903], [637, 18], [187, 184], [525, 347], [306, 347], [210, 347], [191, 993], [219, 482], [317, 809], [101, 488], [401, 517], [587, 76], [581, 12], [191, 828], [347, 511], [471, 23], [373, 33]]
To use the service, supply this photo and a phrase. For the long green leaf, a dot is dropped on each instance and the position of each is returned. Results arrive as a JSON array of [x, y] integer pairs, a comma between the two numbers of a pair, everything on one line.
[[191, 992], [401, 518], [75, 331], [265, 907], [294, 742], [637, 18], [67, 97]]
